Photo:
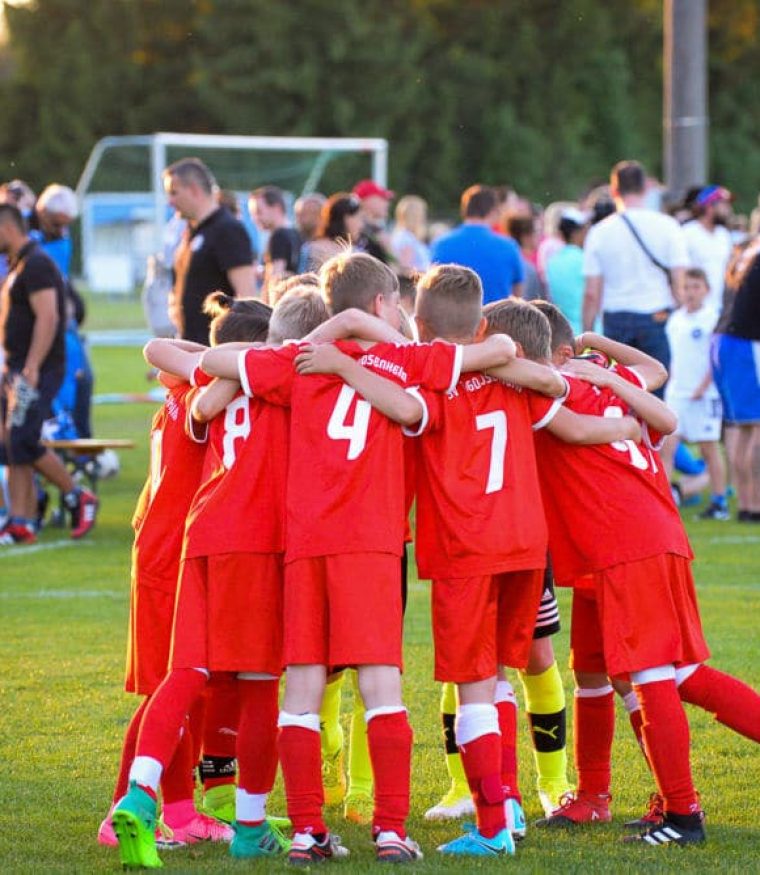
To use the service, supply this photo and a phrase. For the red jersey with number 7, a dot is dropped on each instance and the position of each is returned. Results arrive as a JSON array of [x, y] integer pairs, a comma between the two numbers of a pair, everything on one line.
[[605, 504], [479, 508], [346, 472], [240, 507]]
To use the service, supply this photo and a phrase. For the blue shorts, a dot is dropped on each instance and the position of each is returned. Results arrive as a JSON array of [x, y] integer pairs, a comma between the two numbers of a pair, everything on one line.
[[736, 372]]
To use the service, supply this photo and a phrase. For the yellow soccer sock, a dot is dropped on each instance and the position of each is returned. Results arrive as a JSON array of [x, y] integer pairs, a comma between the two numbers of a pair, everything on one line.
[[359, 764], [329, 718], [545, 705], [454, 766]]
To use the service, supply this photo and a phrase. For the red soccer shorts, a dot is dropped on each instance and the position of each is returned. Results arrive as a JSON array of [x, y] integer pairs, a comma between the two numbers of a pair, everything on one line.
[[229, 613], [343, 610], [639, 615], [151, 612], [480, 623]]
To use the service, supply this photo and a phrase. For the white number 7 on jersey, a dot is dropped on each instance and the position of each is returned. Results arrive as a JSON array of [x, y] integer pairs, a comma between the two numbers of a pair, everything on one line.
[[339, 430], [498, 422]]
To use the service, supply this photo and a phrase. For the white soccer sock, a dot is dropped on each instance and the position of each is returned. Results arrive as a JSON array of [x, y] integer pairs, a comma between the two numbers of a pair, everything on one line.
[[146, 771], [475, 720], [505, 693], [250, 807], [303, 721]]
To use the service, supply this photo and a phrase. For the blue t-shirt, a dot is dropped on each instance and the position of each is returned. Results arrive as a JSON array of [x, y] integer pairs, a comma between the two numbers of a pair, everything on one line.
[[495, 259]]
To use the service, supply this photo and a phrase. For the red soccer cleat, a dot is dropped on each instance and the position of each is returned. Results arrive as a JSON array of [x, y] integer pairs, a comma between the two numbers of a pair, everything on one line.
[[83, 515], [14, 533], [577, 809], [652, 816]]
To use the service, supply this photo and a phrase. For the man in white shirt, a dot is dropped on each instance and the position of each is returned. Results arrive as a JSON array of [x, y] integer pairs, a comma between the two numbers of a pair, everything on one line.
[[708, 239], [632, 260]]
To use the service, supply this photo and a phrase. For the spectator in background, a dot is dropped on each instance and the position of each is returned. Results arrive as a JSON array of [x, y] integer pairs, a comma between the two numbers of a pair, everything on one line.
[[215, 252], [340, 226], [551, 241], [708, 239], [564, 270], [307, 210], [408, 240], [376, 202], [18, 194], [522, 229], [495, 259], [283, 251], [631, 260], [55, 210]]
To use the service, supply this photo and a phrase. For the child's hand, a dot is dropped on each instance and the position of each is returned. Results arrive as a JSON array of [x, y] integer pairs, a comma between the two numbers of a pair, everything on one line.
[[589, 371], [322, 359]]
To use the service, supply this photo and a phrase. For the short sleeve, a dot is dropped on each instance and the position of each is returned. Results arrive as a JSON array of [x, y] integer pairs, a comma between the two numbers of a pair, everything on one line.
[[678, 252], [40, 273], [435, 366], [233, 246], [518, 266], [591, 263], [630, 375], [280, 246], [542, 408], [200, 378], [268, 373], [431, 411]]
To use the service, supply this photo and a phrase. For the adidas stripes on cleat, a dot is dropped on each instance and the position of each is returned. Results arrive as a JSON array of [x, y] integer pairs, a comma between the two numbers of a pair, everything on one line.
[[675, 829], [83, 514], [391, 848], [264, 840]]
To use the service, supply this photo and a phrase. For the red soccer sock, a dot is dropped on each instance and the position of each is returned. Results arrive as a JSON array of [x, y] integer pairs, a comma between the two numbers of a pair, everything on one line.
[[507, 711], [128, 750], [390, 750], [594, 725], [177, 783], [220, 728], [481, 759], [301, 758], [257, 735], [666, 736], [166, 713], [733, 703]]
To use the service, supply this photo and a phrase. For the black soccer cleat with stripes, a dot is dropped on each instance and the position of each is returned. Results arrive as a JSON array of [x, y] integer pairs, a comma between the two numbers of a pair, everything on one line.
[[675, 829]]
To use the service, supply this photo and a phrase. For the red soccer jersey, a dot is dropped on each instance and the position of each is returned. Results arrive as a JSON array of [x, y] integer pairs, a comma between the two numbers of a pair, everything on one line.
[[479, 507], [240, 508], [605, 504], [346, 471], [175, 472]]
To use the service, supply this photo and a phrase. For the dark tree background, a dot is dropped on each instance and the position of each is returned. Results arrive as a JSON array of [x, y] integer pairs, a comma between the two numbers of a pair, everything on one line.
[[535, 93]]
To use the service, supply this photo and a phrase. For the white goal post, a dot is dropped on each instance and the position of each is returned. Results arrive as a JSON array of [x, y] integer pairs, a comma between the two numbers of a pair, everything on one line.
[[122, 224]]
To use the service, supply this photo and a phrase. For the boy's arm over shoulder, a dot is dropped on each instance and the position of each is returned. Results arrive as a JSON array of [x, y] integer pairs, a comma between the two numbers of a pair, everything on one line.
[[532, 375], [267, 372], [358, 324], [580, 428], [653, 373]]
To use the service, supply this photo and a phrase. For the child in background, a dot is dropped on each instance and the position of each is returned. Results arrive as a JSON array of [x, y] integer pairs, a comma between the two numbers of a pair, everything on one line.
[[691, 393]]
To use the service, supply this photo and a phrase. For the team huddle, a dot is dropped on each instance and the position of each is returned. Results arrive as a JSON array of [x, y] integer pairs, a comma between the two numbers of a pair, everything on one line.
[[271, 534]]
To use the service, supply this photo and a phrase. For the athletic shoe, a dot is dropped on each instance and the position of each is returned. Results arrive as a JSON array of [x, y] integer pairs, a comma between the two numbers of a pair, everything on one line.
[[515, 818], [675, 829], [576, 809], [263, 840], [550, 795], [715, 512], [391, 848], [14, 533], [473, 844], [455, 804], [359, 808], [134, 822], [305, 849], [219, 802], [83, 515], [107, 837], [201, 828], [334, 778], [651, 817]]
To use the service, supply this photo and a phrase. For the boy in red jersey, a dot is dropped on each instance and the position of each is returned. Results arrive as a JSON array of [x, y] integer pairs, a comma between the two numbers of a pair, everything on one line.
[[342, 571], [643, 620], [481, 533]]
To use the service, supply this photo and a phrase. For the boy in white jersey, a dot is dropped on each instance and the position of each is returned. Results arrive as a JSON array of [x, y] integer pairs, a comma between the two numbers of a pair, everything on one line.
[[691, 393]]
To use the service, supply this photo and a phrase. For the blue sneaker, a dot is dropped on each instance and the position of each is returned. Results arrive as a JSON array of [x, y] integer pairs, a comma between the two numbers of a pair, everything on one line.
[[515, 817], [473, 844], [258, 841]]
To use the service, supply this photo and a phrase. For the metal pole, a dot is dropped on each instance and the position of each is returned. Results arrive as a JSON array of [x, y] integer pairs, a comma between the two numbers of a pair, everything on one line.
[[685, 119]]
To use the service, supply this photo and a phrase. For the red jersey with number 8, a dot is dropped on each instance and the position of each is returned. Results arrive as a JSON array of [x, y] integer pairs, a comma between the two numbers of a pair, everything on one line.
[[346, 471], [605, 504]]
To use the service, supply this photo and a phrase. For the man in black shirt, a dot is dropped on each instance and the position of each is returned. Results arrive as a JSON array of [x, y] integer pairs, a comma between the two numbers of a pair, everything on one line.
[[215, 253], [267, 208], [32, 322]]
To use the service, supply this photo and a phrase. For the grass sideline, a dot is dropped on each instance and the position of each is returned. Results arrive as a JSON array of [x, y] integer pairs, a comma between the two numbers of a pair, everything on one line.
[[64, 609]]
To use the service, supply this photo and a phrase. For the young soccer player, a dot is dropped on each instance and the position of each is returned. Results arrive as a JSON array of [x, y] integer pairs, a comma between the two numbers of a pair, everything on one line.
[[691, 392], [342, 572], [642, 618]]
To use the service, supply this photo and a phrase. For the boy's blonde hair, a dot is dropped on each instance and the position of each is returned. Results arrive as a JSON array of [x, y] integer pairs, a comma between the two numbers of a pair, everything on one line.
[[280, 289], [297, 313], [355, 279], [524, 323], [450, 301]]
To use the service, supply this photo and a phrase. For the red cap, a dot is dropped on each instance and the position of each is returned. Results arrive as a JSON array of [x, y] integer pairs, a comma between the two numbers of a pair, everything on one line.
[[369, 188]]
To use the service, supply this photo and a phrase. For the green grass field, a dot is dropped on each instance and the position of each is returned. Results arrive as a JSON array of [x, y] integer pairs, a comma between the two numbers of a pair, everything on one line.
[[63, 712]]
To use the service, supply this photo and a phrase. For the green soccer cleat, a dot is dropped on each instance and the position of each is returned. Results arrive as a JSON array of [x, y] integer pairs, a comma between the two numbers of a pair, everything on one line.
[[219, 802], [264, 840], [134, 822]]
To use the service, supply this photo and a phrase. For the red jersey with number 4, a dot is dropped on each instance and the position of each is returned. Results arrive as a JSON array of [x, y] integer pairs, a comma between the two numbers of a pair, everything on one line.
[[605, 504], [175, 473], [240, 508], [479, 508], [346, 471]]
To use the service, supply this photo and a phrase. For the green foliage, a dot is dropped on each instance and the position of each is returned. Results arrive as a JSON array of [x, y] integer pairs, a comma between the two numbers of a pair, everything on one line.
[[543, 95]]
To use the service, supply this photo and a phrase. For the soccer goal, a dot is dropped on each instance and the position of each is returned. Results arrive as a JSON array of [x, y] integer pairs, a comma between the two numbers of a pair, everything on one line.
[[123, 206]]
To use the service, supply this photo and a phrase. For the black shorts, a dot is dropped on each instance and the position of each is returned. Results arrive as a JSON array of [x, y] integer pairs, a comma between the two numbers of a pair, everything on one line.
[[547, 621], [23, 428]]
